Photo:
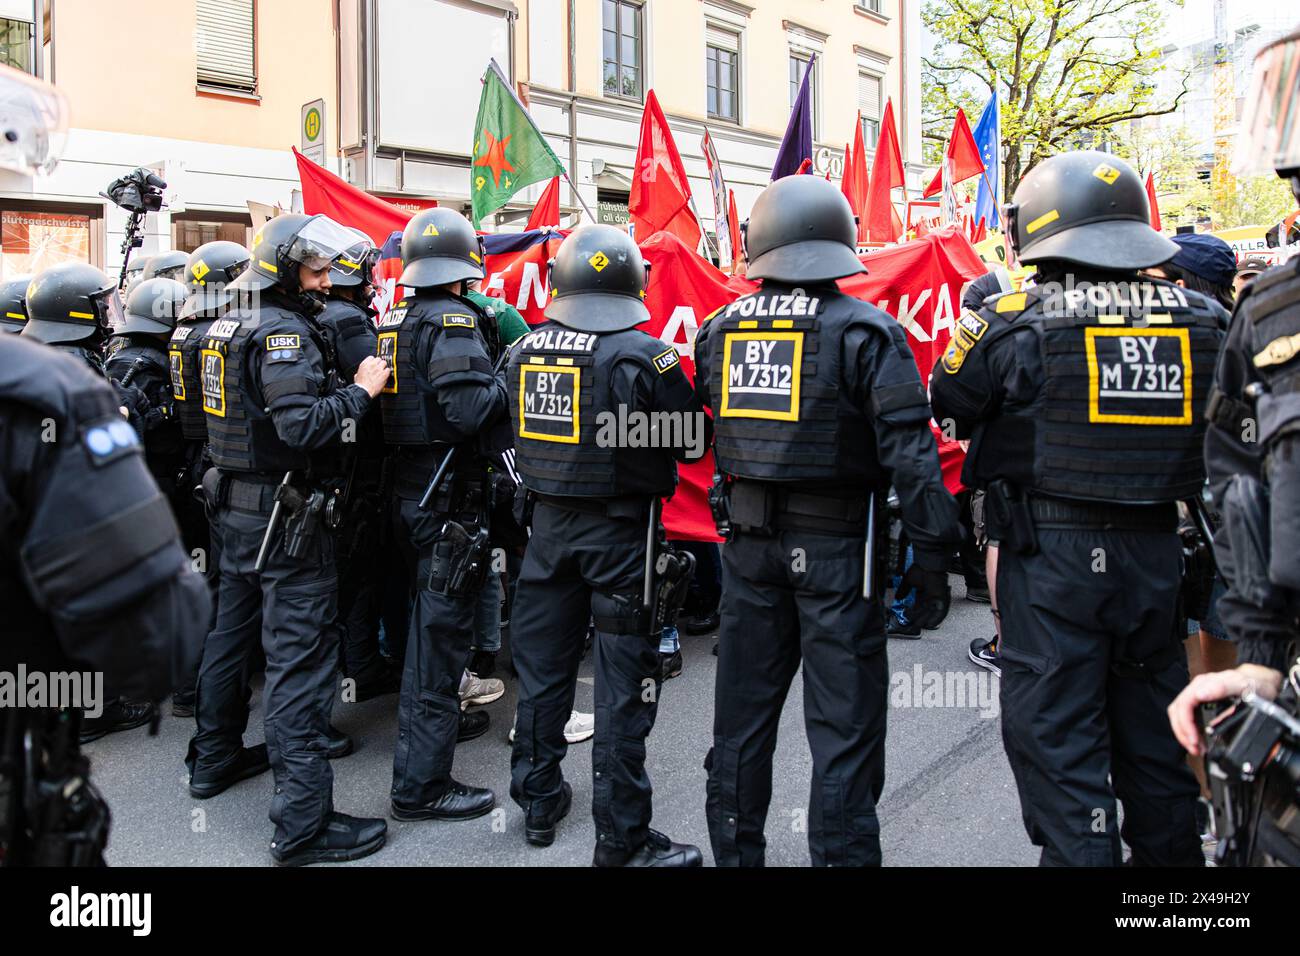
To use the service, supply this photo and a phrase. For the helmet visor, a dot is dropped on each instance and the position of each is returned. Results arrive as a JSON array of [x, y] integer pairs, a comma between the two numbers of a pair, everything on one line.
[[1270, 124], [1010, 213], [360, 258], [321, 244], [108, 309]]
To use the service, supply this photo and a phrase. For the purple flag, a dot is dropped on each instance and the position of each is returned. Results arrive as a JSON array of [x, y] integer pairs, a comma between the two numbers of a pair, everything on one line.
[[796, 145]]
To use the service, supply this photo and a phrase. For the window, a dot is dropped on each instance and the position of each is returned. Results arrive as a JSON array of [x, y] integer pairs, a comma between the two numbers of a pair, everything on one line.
[[722, 75], [869, 90], [622, 38], [226, 41], [16, 44], [192, 229], [873, 6], [35, 236], [798, 67]]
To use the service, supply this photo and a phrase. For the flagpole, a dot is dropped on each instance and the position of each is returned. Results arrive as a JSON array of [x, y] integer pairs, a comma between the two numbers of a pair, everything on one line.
[[704, 232], [496, 67]]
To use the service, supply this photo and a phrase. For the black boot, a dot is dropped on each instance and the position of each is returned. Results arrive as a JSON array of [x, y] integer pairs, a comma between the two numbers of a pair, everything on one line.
[[119, 714], [250, 762], [657, 850], [539, 828], [340, 744], [342, 838], [473, 723], [458, 802]]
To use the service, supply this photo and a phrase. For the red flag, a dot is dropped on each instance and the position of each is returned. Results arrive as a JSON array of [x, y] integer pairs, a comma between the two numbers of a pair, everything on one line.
[[883, 224], [324, 192], [661, 193], [1155, 206], [965, 156], [981, 233], [547, 210], [737, 252], [857, 186]]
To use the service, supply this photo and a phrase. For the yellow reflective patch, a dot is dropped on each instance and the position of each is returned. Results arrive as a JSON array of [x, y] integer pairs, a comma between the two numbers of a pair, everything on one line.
[[1139, 376], [430, 230], [269, 267], [1106, 173], [388, 352], [350, 265], [1280, 350], [16, 315], [762, 375], [199, 269], [475, 257], [212, 377], [1011, 302], [599, 261], [176, 361], [549, 402], [1041, 221]]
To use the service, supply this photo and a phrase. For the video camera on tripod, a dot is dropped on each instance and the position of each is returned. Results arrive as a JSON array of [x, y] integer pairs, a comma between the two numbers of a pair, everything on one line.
[[139, 192]]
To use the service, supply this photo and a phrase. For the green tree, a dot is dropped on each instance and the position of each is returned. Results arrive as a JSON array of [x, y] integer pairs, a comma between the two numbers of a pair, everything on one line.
[[1259, 201], [1065, 70], [1169, 154]]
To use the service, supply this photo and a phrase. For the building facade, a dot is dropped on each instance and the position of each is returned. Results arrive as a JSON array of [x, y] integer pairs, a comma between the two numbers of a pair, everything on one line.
[[212, 93], [584, 68]]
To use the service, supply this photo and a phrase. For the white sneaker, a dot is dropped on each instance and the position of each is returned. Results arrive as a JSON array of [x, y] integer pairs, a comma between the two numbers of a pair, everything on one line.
[[477, 691], [579, 728]]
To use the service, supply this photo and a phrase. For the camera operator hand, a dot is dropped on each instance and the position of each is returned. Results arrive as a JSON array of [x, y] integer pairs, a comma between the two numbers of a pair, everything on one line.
[[1205, 688], [372, 374]]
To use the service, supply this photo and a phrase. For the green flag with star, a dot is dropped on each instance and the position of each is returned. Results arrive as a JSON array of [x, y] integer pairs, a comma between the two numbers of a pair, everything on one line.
[[509, 150]]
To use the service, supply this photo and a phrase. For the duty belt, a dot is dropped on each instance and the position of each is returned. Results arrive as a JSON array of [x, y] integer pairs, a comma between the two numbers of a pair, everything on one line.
[[257, 497], [1060, 513], [787, 510], [627, 506]]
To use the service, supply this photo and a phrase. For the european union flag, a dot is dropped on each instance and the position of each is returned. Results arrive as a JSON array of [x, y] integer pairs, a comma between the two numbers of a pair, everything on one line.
[[987, 139]]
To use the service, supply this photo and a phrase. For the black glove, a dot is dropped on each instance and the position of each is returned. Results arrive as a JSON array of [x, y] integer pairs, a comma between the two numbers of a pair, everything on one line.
[[933, 595]]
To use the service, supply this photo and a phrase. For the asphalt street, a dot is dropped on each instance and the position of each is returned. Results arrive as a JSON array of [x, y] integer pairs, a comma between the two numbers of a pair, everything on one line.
[[949, 797]]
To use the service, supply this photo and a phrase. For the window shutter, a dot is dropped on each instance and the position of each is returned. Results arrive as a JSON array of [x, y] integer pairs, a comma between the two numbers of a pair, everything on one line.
[[225, 44], [722, 39], [869, 96]]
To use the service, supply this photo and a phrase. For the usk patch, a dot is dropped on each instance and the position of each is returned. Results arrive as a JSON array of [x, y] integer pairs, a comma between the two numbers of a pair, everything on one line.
[[457, 320]]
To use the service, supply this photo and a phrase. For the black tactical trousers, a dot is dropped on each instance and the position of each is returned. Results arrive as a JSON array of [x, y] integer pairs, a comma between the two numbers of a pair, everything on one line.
[[359, 557], [1091, 657], [790, 597], [198, 534], [578, 565], [287, 607], [437, 648]]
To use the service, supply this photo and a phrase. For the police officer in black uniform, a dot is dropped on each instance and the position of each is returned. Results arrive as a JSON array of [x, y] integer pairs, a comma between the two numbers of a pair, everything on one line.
[[137, 356], [1252, 452], [275, 420], [92, 577], [73, 307], [13, 303], [595, 495], [166, 265], [211, 268], [444, 398], [348, 321], [817, 407], [1083, 398]]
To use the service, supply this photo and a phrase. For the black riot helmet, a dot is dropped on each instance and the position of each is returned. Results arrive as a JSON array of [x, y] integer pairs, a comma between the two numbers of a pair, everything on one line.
[[287, 242], [166, 265], [1088, 208], [71, 302], [598, 281], [356, 267], [440, 247], [211, 269], [135, 268], [154, 307], [802, 229], [13, 303]]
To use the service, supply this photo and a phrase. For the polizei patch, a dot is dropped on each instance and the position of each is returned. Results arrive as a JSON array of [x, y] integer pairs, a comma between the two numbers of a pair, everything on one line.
[[548, 402], [1139, 376], [762, 375]]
